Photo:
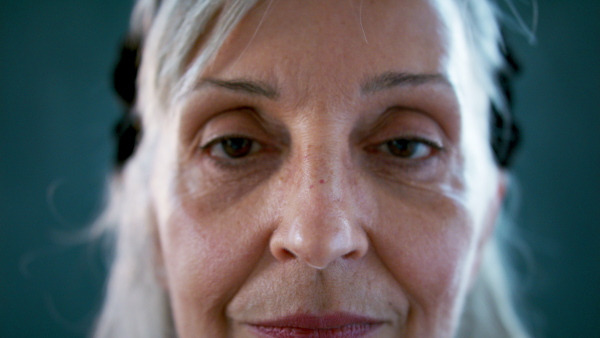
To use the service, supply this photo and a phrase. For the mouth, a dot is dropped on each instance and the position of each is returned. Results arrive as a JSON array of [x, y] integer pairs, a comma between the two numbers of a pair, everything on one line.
[[338, 325]]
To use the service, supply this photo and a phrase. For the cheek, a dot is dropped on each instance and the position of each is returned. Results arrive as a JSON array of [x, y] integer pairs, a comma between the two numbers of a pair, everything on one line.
[[427, 242], [209, 251], [203, 271]]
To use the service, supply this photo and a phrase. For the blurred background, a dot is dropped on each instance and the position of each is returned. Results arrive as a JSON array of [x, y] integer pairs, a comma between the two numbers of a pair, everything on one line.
[[57, 112]]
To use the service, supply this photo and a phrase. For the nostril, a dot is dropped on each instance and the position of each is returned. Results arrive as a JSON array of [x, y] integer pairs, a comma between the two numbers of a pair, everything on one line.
[[287, 253], [355, 254], [349, 255], [283, 254]]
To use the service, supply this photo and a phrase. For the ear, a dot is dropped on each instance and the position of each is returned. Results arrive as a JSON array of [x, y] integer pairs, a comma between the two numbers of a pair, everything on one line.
[[489, 225]]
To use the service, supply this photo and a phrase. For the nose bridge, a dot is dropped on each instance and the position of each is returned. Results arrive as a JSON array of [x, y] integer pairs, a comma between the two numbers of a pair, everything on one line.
[[319, 223], [322, 171], [323, 164]]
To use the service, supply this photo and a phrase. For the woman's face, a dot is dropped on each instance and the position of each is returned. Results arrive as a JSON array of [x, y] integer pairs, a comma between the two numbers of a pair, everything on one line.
[[329, 175]]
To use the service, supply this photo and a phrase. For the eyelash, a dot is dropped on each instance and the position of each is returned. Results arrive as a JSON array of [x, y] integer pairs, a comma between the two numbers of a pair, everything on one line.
[[252, 147], [410, 142], [223, 160], [247, 143]]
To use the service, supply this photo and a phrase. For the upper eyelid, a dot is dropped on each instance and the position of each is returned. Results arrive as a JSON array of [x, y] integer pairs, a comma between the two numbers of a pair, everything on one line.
[[434, 144], [426, 141], [403, 121], [423, 140], [262, 125], [216, 139], [267, 130]]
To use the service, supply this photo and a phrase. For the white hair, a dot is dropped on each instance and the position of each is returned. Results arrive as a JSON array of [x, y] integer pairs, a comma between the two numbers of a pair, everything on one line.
[[135, 304]]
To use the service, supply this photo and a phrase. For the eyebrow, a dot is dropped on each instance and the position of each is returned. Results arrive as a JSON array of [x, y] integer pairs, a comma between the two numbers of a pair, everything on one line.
[[253, 88], [394, 79], [377, 83]]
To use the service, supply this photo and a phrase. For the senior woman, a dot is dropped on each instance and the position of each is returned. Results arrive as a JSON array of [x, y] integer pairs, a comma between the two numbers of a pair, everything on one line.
[[310, 169]]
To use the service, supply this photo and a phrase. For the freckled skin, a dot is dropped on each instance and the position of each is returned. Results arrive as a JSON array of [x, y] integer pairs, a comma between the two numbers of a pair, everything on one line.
[[320, 218]]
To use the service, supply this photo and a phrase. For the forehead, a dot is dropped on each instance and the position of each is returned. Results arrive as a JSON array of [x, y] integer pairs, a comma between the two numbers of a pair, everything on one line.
[[343, 41]]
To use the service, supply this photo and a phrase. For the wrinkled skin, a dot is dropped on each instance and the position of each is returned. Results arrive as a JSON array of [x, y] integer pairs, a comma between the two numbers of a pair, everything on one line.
[[359, 178]]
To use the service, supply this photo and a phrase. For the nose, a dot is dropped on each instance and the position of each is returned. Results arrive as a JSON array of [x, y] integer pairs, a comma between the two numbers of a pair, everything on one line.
[[321, 217]]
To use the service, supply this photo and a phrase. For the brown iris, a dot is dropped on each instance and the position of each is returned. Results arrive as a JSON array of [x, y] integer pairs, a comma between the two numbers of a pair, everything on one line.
[[236, 147], [404, 148]]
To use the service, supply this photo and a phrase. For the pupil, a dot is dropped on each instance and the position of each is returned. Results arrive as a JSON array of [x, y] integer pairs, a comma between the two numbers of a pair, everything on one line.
[[237, 147], [402, 148]]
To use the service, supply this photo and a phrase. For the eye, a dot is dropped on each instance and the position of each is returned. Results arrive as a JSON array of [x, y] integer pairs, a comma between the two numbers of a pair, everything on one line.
[[235, 147], [408, 148]]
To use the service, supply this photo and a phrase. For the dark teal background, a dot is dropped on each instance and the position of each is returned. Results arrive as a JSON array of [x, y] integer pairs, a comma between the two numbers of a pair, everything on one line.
[[57, 111]]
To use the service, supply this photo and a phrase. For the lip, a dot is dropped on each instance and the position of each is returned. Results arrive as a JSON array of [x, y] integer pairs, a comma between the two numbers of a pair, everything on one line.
[[337, 325]]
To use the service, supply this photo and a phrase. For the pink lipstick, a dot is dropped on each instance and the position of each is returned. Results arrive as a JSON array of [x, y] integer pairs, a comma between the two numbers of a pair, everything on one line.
[[338, 325]]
